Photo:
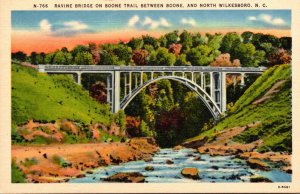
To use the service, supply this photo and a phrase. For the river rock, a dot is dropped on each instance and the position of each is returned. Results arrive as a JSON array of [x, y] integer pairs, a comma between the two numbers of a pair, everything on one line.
[[197, 158], [149, 168], [126, 177], [259, 179], [80, 176], [258, 164], [215, 167], [287, 169], [196, 143], [191, 173], [169, 162], [176, 148]]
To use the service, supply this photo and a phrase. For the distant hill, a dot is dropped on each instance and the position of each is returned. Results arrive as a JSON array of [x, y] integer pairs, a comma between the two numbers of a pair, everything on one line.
[[263, 113]]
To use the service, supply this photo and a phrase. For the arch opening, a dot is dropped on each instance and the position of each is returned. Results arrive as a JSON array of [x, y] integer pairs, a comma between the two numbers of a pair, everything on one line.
[[201, 93]]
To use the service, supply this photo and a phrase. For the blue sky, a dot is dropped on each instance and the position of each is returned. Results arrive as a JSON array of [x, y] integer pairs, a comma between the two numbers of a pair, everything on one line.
[[97, 21], [50, 30]]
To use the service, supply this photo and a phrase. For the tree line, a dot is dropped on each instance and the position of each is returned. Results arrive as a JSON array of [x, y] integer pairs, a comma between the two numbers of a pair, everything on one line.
[[175, 48]]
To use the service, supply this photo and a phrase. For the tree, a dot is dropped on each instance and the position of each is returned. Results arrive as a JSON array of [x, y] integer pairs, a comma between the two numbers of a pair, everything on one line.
[[123, 52], [215, 42], [247, 37], [230, 41], [149, 40], [186, 40], [197, 40], [49, 58], [286, 43], [163, 41], [248, 55], [172, 37], [33, 58], [95, 51], [20, 56], [136, 43], [140, 57], [175, 49], [201, 55], [79, 48], [161, 57], [223, 60], [62, 58], [83, 58], [181, 61], [281, 56]]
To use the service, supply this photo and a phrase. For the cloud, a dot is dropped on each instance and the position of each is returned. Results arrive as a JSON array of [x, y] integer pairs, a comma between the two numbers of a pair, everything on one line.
[[75, 25], [148, 22], [133, 20], [268, 19], [188, 21], [252, 18], [67, 28], [45, 26]]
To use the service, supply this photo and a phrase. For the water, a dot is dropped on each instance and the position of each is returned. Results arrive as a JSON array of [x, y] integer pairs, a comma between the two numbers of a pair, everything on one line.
[[212, 169]]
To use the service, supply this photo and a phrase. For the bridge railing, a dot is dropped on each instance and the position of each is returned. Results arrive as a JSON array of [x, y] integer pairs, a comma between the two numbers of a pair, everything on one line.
[[49, 67]]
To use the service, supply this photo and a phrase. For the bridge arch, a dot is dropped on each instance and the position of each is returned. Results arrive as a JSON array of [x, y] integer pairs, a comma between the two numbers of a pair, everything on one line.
[[204, 96]]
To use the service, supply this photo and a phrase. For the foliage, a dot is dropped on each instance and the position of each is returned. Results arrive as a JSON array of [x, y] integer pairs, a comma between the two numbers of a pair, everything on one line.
[[201, 55], [17, 176], [273, 116], [162, 58], [230, 41], [29, 162], [83, 58], [248, 55], [60, 161], [47, 98], [120, 119]]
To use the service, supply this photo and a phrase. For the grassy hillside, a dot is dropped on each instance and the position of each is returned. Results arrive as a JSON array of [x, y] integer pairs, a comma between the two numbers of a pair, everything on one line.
[[47, 98], [273, 113]]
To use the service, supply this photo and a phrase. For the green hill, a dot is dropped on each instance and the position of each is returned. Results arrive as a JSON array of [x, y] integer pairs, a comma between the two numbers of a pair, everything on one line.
[[46, 98], [267, 102], [41, 102]]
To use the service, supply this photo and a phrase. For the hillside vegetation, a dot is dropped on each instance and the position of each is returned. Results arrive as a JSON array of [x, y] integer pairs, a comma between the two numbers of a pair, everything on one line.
[[268, 103], [47, 98], [47, 109]]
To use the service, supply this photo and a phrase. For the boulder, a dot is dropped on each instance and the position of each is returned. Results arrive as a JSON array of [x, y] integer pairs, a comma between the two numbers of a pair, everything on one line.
[[196, 143], [191, 173], [258, 164], [176, 148], [149, 168], [197, 158], [126, 177], [287, 169], [259, 179], [169, 162], [80, 176]]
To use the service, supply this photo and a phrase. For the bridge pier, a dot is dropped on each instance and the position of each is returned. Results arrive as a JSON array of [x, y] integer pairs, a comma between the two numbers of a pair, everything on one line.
[[116, 94], [223, 92]]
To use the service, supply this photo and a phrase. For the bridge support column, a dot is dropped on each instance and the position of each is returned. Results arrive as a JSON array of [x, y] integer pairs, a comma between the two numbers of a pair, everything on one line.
[[109, 89], [212, 87], [141, 78], [242, 79], [223, 92], [78, 78], [116, 99], [130, 82]]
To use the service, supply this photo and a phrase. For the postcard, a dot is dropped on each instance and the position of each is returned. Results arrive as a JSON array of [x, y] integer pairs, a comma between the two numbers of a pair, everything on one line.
[[149, 97]]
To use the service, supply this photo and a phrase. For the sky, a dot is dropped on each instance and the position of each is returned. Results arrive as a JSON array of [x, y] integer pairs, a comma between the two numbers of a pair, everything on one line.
[[46, 31]]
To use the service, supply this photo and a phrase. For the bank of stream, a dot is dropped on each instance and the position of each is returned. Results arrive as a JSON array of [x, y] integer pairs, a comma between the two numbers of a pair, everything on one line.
[[211, 169]]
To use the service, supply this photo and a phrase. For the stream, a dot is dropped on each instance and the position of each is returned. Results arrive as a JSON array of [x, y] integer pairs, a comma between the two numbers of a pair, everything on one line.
[[211, 169]]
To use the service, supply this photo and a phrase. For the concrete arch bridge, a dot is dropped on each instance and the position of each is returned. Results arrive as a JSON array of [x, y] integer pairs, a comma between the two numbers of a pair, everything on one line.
[[125, 82]]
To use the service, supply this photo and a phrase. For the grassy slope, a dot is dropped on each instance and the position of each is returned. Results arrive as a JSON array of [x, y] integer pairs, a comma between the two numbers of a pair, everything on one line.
[[48, 98], [274, 114]]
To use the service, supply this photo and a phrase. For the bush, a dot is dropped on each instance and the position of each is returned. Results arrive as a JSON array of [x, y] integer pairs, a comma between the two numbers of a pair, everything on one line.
[[17, 176]]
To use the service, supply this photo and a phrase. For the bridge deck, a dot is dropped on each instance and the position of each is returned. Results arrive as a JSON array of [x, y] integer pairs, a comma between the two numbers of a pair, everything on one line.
[[107, 68]]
